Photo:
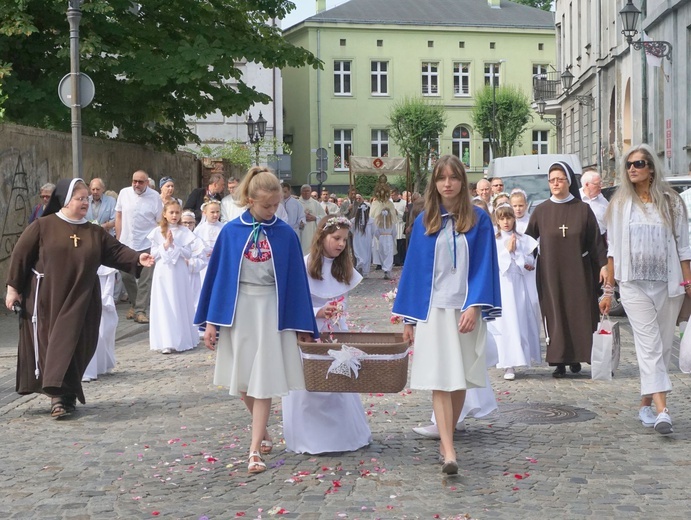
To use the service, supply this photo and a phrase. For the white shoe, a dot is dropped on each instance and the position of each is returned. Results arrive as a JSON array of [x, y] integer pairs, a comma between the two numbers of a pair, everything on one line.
[[646, 416], [509, 374], [663, 423], [431, 431], [167, 351], [87, 379]]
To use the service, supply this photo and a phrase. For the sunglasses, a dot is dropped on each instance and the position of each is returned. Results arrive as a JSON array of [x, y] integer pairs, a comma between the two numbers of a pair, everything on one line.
[[135, 181], [640, 164]]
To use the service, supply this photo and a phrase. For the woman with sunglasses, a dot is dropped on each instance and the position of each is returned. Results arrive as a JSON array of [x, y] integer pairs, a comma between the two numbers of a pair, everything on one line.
[[572, 254], [45, 193], [649, 256]]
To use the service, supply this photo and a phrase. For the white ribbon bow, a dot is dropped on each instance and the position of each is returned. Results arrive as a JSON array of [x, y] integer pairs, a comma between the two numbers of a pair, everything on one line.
[[345, 361]]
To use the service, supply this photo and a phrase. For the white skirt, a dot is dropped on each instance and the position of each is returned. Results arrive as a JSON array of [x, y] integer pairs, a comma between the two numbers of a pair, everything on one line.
[[324, 422], [446, 360], [252, 356]]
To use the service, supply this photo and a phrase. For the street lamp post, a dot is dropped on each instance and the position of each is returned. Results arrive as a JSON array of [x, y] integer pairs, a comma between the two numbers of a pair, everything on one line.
[[74, 16], [629, 19], [255, 133]]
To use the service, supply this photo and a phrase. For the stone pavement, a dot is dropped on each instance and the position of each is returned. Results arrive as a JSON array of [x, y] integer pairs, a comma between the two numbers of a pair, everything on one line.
[[157, 439]]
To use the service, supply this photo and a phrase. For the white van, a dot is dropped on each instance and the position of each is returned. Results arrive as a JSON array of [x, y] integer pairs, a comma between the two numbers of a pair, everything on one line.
[[529, 172]]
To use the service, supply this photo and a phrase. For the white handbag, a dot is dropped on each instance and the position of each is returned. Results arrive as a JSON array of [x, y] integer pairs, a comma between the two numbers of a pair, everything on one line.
[[606, 349]]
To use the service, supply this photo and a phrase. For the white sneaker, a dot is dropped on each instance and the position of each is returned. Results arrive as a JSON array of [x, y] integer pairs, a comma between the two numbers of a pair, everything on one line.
[[509, 374], [647, 417], [167, 351], [663, 423], [431, 431]]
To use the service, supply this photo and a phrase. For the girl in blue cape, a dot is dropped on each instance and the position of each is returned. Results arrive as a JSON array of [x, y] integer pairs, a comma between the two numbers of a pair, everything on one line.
[[256, 292], [448, 288]]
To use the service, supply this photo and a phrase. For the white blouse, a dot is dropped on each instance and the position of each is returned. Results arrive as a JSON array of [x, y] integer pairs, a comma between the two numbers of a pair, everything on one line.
[[648, 247]]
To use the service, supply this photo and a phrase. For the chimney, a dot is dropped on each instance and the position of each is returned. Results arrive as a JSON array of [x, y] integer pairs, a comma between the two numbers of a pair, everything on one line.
[[321, 6], [494, 4]]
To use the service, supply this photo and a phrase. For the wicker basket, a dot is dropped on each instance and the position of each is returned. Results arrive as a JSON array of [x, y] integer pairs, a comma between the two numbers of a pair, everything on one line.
[[375, 375]]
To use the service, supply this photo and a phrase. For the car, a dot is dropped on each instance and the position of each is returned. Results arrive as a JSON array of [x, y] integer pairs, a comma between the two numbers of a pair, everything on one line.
[[530, 172]]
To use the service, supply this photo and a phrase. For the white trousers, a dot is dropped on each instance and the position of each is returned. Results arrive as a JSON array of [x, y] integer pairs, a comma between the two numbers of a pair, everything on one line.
[[653, 315]]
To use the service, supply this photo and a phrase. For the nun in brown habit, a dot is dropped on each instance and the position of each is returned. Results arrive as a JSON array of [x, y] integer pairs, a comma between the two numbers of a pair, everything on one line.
[[52, 276]]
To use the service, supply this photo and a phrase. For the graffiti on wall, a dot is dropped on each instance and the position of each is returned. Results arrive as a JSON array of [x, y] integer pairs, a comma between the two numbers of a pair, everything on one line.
[[22, 179]]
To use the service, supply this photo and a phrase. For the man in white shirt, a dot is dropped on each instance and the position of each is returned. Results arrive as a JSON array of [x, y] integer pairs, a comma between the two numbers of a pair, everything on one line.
[[591, 194], [484, 191], [137, 212], [329, 207], [313, 214], [294, 210], [400, 204]]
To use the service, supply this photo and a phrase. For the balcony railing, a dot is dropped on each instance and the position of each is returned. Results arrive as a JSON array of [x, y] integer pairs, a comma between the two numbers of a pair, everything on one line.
[[547, 85]]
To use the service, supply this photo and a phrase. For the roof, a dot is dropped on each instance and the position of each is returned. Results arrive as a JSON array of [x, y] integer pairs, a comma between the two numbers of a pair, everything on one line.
[[459, 13]]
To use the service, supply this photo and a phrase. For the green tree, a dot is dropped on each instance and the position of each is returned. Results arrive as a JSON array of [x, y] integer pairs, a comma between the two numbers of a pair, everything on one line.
[[503, 114], [415, 128], [153, 62], [545, 5]]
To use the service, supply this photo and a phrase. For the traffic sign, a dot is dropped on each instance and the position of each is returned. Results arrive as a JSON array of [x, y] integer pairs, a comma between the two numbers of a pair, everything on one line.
[[86, 90], [321, 177]]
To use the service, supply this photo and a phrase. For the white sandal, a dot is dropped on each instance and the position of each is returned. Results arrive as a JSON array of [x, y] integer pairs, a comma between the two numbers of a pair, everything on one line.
[[255, 467]]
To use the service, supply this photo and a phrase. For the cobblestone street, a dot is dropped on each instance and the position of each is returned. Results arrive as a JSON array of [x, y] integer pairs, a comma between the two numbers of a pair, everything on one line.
[[158, 439]]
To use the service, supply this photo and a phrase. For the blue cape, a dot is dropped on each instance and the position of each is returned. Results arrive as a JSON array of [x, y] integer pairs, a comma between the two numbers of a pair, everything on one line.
[[219, 293], [414, 296]]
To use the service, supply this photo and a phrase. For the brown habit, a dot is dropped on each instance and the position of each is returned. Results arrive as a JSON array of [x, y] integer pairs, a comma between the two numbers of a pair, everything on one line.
[[566, 279], [69, 301]]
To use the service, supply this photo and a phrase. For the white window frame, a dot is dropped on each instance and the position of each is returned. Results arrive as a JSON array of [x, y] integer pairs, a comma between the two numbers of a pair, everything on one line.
[[461, 79], [379, 77], [379, 145], [540, 139], [340, 76], [492, 74], [343, 148], [540, 70], [430, 78]]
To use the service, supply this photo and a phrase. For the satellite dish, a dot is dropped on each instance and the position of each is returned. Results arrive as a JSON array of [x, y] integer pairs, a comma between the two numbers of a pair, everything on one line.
[[86, 90]]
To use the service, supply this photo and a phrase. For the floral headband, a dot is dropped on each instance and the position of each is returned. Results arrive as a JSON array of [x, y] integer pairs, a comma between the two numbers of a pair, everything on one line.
[[338, 222]]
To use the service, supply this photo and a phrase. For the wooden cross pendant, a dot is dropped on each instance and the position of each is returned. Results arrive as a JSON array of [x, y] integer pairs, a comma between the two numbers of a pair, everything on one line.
[[563, 230], [75, 238]]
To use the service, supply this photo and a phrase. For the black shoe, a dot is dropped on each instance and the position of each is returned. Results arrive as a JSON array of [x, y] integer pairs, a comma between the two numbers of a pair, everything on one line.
[[559, 372], [575, 368]]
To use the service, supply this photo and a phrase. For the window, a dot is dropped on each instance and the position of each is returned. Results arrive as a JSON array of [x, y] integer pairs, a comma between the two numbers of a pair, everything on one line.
[[540, 71], [492, 74], [343, 42], [380, 43], [342, 78], [379, 77], [433, 153], [430, 79], [541, 46], [460, 144], [492, 45], [430, 43], [540, 142], [380, 143], [343, 148], [461, 79], [461, 45]]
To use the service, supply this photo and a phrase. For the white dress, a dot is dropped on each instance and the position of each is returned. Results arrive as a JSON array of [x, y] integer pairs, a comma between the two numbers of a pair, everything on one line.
[[386, 246], [208, 233], [324, 422], [172, 299], [253, 356], [362, 246], [104, 358], [518, 341]]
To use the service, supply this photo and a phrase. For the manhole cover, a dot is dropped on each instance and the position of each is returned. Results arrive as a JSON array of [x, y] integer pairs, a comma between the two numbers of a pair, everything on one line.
[[541, 413]]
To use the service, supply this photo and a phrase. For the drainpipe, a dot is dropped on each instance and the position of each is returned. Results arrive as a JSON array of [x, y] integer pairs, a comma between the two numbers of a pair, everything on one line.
[[598, 50]]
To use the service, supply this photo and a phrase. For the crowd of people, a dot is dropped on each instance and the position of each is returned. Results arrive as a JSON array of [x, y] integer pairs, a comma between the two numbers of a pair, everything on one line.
[[258, 269]]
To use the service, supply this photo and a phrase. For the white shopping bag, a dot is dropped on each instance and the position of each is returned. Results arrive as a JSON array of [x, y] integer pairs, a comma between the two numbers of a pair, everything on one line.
[[685, 352], [606, 350]]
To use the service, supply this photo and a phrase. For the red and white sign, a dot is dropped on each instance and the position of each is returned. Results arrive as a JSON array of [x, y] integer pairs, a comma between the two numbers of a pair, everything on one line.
[[668, 138]]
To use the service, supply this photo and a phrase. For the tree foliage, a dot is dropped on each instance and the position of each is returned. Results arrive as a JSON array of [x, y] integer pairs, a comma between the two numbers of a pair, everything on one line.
[[503, 114], [415, 128], [153, 62], [545, 5]]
